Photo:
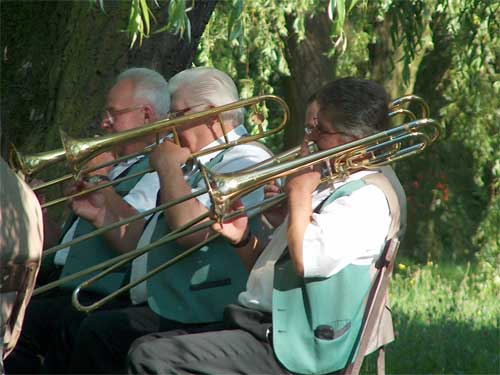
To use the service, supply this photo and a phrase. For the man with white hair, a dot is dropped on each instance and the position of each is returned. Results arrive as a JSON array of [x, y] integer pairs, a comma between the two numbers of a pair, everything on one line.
[[138, 97], [192, 293]]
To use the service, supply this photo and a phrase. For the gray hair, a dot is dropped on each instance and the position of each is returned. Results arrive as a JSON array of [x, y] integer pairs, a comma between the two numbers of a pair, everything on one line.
[[209, 86], [149, 85]]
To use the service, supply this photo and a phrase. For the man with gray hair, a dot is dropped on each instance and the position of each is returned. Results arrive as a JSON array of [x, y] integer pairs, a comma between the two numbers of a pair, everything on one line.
[[190, 294], [138, 97]]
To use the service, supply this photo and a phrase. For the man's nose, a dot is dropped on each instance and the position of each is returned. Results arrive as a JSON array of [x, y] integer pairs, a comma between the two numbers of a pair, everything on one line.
[[311, 133], [106, 124]]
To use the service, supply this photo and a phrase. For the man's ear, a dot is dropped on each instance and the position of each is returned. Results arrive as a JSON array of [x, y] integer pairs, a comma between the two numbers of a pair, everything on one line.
[[213, 120], [149, 114]]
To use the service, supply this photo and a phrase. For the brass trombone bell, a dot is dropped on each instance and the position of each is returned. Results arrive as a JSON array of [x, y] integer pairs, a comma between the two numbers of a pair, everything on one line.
[[366, 153], [33, 163], [78, 152]]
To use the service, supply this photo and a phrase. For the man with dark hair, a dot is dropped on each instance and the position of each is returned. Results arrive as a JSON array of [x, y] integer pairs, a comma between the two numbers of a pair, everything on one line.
[[303, 305]]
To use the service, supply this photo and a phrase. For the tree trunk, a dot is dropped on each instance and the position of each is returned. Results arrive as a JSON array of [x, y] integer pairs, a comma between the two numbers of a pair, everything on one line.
[[310, 68], [422, 237], [435, 63]]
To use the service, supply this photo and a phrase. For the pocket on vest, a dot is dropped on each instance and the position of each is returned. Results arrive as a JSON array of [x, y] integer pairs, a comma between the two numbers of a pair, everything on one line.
[[335, 331], [209, 284]]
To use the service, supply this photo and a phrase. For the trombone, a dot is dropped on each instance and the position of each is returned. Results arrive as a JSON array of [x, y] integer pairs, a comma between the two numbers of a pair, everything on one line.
[[79, 151], [370, 152], [31, 164], [277, 160], [284, 156], [185, 230]]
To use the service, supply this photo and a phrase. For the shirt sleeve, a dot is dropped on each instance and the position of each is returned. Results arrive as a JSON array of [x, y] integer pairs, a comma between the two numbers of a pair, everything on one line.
[[351, 229], [143, 195], [237, 158]]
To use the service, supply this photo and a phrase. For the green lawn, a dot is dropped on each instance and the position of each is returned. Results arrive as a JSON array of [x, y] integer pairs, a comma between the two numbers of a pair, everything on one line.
[[446, 319]]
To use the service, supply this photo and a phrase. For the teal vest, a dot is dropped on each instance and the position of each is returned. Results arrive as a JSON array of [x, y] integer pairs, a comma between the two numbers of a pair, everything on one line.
[[316, 321], [197, 288], [96, 250]]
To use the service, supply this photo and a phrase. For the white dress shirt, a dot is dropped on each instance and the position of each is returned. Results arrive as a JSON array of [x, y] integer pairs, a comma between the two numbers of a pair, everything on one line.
[[235, 158], [350, 230]]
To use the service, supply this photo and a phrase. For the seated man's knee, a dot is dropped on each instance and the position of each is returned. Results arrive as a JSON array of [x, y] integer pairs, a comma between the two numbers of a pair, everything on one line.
[[93, 326], [136, 355]]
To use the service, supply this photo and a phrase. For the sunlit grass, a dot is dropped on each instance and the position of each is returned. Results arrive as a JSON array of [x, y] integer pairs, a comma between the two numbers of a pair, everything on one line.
[[446, 319]]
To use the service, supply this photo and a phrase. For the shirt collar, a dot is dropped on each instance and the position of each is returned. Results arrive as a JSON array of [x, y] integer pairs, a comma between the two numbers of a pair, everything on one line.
[[121, 166], [236, 133], [328, 188]]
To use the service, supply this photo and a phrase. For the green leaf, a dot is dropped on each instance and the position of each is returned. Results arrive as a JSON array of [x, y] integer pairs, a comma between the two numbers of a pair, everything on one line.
[[135, 23], [188, 28], [331, 9], [353, 4], [234, 25], [99, 3], [145, 15]]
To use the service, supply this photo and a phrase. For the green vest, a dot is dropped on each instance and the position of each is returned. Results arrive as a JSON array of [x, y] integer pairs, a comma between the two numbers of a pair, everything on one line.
[[96, 250], [316, 321], [197, 288]]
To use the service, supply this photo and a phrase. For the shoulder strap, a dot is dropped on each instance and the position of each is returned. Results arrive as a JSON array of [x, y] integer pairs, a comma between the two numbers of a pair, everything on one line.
[[126, 171], [342, 191], [196, 177], [387, 181]]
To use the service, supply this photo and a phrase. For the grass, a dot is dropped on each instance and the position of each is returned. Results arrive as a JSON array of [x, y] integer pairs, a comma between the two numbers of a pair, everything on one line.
[[447, 321]]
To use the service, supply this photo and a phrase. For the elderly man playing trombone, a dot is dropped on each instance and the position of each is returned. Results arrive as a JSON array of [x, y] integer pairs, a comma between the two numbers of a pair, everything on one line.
[[193, 292], [302, 307], [138, 97]]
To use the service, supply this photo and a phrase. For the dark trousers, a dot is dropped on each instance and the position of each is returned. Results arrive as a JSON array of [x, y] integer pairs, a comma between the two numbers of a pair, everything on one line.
[[104, 338], [243, 350], [49, 327]]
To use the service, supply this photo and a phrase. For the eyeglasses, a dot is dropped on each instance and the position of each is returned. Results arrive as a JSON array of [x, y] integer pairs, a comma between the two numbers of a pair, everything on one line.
[[316, 127], [110, 115], [182, 112]]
